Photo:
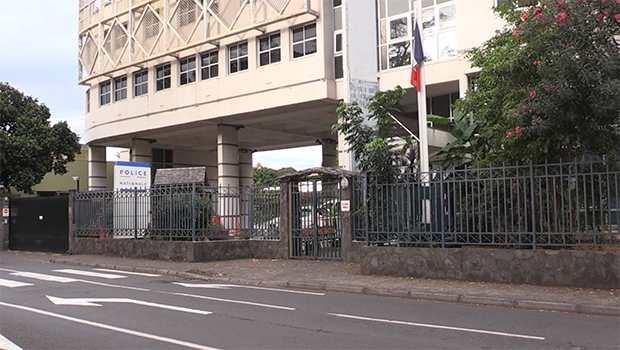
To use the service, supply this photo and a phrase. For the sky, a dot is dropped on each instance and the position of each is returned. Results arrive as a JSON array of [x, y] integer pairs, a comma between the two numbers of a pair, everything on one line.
[[38, 56]]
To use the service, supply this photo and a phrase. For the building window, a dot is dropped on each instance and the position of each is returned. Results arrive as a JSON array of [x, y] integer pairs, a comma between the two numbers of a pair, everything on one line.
[[238, 57], [104, 93], [162, 80], [87, 97], [304, 40], [140, 83], [269, 49], [187, 70], [120, 88], [161, 159], [338, 63], [208, 65], [397, 25]]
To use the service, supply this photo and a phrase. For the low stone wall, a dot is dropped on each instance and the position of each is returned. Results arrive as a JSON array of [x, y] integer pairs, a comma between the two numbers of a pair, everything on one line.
[[180, 251], [567, 268]]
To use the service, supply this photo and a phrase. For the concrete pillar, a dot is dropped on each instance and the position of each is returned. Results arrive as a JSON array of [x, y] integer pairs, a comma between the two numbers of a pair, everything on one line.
[[97, 168], [246, 171], [330, 153], [212, 168], [141, 150], [228, 177], [246, 181], [360, 63]]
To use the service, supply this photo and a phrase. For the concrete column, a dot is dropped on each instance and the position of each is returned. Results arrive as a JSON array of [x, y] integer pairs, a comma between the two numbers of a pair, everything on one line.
[[246, 171], [97, 168], [141, 151], [330, 153], [246, 181], [360, 63], [228, 177]]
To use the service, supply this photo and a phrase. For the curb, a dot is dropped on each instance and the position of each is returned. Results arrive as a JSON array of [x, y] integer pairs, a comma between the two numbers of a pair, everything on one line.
[[424, 296]]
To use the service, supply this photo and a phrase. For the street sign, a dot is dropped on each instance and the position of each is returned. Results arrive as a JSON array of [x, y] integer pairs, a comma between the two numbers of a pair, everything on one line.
[[5, 212], [345, 205]]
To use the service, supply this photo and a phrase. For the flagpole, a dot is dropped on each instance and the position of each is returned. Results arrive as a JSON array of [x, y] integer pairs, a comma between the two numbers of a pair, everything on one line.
[[422, 118], [423, 128]]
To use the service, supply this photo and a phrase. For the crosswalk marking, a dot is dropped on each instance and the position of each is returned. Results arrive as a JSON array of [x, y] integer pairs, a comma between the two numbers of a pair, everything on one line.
[[90, 273], [130, 273], [6, 344], [12, 284], [43, 277]]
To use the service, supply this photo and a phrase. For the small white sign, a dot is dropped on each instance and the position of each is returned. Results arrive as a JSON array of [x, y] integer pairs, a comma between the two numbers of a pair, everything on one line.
[[5, 212], [345, 205]]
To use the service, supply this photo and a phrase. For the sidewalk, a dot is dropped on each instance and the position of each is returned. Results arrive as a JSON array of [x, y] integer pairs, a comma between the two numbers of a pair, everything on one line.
[[346, 277]]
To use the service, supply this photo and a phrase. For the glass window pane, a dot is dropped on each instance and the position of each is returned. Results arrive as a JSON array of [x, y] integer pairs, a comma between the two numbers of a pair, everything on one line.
[[396, 7], [338, 18], [275, 55], [158, 155], [427, 3], [214, 71], [398, 28], [166, 83], [233, 66], [298, 50], [183, 79], [264, 58], [382, 34], [298, 34], [192, 63], [441, 105], [400, 54], [447, 17], [233, 52], [310, 46], [338, 42], [214, 57], [338, 70], [275, 41], [428, 21], [243, 49], [447, 44], [337, 3], [263, 44], [383, 57], [310, 31], [243, 63], [430, 48], [191, 76], [204, 73], [382, 8]]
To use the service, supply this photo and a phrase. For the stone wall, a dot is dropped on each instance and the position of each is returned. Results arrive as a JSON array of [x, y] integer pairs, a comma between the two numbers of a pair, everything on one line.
[[567, 268], [180, 251]]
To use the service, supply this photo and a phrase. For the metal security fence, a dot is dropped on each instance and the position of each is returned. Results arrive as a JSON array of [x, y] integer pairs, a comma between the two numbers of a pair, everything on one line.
[[179, 212], [548, 205]]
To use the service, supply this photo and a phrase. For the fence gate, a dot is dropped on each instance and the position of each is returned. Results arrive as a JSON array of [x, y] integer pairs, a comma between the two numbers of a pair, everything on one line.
[[40, 224], [315, 220]]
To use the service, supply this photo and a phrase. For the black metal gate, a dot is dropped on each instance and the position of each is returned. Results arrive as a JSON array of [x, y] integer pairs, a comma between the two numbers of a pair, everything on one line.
[[315, 220], [39, 224]]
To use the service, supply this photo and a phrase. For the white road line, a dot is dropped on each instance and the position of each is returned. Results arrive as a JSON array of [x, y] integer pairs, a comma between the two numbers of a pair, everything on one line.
[[114, 285], [90, 274], [12, 284], [111, 328], [227, 286], [94, 301], [439, 327], [43, 277], [130, 273], [232, 301], [6, 344]]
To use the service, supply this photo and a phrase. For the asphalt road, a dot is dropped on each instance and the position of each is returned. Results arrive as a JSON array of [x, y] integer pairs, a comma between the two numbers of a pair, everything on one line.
[[49, 306]]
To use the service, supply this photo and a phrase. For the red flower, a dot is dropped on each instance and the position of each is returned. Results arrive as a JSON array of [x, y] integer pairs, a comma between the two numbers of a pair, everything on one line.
[[560, 3], [599, 16], [539, 15], [605, 13], [533, 93], [618, 15], [604, 1], [508, 134], [536, 63], [518, 129], [525, 15]]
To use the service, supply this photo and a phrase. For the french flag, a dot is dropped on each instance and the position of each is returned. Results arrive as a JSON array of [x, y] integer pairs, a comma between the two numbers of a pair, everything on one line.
[[418, 58]]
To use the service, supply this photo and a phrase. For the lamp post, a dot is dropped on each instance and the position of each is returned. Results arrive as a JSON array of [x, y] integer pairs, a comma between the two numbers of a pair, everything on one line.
[[77, 180]]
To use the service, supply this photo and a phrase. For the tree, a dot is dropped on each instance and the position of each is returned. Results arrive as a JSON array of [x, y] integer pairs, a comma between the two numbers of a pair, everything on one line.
[[371, 135], [549, 85], [29, 146], [267, 176]]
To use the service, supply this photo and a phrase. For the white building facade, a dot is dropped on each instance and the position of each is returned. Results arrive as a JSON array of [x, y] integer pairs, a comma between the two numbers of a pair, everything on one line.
[[208, 82]]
